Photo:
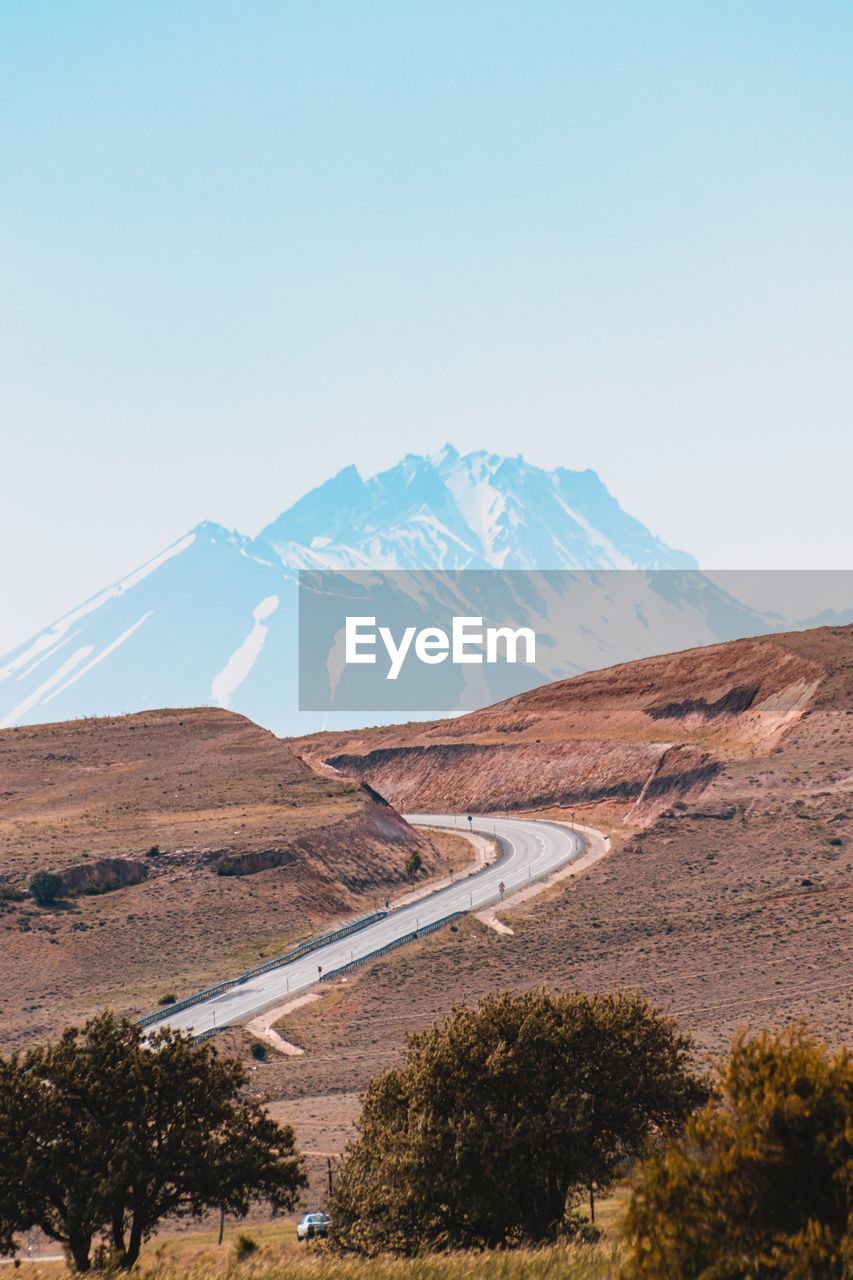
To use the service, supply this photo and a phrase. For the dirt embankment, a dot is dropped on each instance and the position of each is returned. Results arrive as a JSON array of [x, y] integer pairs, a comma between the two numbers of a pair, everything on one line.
[[191, 843], [727, 898], [643, 736]]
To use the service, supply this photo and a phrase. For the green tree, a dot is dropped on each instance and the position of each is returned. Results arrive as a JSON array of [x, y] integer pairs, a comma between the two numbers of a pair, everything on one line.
[[46, 887], [414, 862], [107, 1131], [503, 1115], [761, 1183]]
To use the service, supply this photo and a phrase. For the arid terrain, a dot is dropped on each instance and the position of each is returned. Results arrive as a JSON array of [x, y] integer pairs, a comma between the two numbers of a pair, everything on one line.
[[191, 843], [723, 777]]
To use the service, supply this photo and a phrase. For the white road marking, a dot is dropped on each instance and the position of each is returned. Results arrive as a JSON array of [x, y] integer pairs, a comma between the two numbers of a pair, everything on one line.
[[529, 850]]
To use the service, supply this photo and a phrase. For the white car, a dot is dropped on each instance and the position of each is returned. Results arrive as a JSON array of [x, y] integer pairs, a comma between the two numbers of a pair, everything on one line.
[[312, 1225]]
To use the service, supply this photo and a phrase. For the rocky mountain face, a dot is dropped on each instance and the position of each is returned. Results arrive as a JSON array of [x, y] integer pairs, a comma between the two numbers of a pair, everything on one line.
[[477, 511], [212, 620]]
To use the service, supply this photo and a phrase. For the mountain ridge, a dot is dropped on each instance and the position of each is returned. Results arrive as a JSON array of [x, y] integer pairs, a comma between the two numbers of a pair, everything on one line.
[[211, 619]]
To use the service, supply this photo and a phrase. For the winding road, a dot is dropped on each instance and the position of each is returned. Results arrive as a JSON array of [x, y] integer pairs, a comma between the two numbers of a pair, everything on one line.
[[527, 851]]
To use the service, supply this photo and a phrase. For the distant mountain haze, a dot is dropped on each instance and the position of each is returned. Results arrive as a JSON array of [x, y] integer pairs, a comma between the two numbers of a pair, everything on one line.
[[211, 620]]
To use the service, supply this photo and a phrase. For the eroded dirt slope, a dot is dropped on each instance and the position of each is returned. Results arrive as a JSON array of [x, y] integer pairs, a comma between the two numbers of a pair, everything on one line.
[[638, 736], [190, 842]]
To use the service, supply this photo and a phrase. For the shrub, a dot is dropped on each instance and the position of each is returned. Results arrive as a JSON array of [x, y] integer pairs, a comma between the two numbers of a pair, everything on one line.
[[154, 851], [414, 862], [245, 1247], [46, 887], [503, 1116], [258, 1051], [760, 1183], [168, 997]]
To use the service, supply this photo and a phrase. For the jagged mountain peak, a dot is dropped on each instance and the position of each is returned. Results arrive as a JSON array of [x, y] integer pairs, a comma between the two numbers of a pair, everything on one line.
[[472, 510]]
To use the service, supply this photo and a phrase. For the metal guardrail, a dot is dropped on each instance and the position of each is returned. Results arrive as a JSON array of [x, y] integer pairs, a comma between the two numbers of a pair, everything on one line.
[[353, 964], [278, 962], [336, 934], [312, 945], [208, 1035], [390, 946]]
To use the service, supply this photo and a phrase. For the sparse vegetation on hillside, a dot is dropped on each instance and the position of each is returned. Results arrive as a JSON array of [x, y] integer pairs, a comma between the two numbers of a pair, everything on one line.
[[761, 1184], [194, 790], [502, 1117]]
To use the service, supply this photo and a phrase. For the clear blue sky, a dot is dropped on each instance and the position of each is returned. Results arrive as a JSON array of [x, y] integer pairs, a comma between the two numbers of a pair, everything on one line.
[[244, 244]]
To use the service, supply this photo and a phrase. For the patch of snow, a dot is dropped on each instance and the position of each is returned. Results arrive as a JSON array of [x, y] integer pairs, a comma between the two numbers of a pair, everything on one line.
[[105, 653], [34, 698], [615, 556], [480, 504], [27, 671], [245, 656], [49, 637]]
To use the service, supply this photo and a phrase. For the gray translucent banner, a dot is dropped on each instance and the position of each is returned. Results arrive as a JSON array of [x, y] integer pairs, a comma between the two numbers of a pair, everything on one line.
[[429, 642]]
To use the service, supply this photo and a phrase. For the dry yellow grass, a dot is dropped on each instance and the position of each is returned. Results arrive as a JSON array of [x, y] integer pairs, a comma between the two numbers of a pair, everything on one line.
[[196, 1255], [559, 1262]]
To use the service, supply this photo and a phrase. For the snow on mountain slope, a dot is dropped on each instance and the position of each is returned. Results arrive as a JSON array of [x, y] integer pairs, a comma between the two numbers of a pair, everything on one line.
[[212, 619], [473, 511]]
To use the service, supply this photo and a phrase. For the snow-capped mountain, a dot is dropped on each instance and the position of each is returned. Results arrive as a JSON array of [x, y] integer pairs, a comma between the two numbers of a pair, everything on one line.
[[212, 619], [473, 511]]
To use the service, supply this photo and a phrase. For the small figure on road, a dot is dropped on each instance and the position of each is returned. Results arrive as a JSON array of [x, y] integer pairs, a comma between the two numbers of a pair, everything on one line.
[[502, 889], [319, 971]]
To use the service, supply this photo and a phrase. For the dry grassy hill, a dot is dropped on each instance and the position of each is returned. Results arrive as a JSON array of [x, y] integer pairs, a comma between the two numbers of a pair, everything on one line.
[[190, 842]]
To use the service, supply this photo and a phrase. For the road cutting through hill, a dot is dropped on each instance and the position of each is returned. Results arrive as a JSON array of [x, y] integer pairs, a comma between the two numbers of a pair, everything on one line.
[[529, 852]]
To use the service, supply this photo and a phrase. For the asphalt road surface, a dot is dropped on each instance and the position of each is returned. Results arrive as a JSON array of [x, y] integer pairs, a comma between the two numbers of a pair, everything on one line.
[[528, 851]]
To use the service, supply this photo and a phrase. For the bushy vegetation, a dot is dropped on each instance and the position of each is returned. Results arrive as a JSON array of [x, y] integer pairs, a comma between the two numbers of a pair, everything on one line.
[[414, 862], [503, 1116], [477, 1158], [761, 1183], [107, 1133], [46, 887], [245, 1247]]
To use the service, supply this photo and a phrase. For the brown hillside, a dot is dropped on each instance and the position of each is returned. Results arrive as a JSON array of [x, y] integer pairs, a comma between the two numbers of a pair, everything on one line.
[[727, 896], [254, 850], [639, 736]]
